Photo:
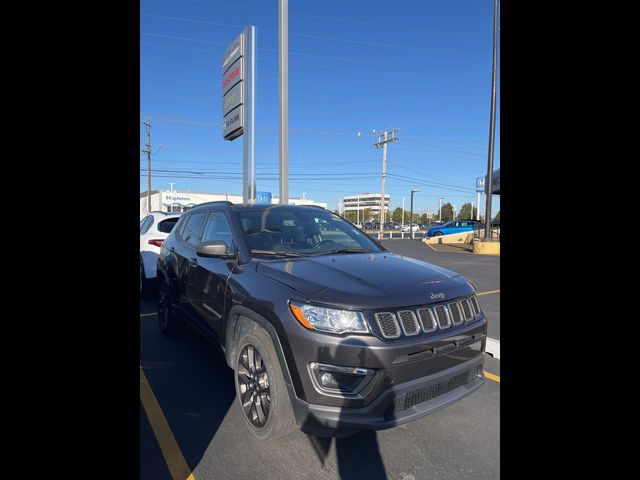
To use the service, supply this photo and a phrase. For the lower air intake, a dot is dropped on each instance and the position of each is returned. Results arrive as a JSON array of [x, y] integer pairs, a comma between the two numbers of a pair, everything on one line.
[[409, 399]]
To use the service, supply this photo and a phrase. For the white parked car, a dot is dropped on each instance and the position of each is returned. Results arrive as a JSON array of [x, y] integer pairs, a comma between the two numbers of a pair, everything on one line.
[[154, 228], [414, 227]]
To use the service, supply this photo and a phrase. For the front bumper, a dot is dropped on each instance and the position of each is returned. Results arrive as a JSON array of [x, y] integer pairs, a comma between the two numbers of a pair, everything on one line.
[[399, 404]]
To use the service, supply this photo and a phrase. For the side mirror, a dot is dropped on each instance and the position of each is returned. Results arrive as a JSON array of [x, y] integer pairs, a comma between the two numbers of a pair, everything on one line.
[[214, 248]]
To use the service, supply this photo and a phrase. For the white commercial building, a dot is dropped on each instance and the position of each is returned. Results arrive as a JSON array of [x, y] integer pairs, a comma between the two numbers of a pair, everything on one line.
[[173, 201], [354, 203]]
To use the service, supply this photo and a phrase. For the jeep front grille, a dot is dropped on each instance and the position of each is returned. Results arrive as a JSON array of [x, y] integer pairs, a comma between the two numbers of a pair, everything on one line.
[[456, 314], [409, 322], [476, 305], [420, 395], [388, 324], [427, 320], [443, 317], [466, 308]]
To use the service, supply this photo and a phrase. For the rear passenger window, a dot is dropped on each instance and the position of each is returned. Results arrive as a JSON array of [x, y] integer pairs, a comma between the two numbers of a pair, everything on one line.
[[165, 226], [193, 228]]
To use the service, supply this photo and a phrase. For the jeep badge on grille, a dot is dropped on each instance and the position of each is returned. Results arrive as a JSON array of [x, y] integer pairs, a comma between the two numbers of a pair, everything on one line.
[[438, 296]]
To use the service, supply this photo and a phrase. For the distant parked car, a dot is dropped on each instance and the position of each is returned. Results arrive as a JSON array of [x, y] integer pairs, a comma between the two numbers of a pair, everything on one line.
[[454, 226], [414, 227], [390, 226], [154, 228]]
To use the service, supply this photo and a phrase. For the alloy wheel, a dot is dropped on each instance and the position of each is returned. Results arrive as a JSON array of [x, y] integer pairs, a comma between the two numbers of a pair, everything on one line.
[[253, 382]]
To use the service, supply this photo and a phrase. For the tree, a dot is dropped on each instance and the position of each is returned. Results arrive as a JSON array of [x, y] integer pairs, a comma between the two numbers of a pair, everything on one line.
[[351, 216], [336, 211], [447, 212], [424, 219], [467, 212], [366, 215], [396, 216]]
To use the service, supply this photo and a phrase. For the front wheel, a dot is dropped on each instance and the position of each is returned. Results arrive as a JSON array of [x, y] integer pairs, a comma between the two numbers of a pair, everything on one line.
[[260, 387], [437, 234]]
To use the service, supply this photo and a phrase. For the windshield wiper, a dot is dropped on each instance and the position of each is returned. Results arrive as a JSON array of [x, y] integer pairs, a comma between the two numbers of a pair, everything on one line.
[[275, 252], [343, 250]]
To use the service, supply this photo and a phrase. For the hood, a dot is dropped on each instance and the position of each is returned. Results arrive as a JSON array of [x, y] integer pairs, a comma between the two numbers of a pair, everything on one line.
[[377, 280]]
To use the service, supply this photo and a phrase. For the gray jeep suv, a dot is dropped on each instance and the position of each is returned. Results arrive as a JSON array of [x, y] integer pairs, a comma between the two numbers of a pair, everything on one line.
[[323, 327]]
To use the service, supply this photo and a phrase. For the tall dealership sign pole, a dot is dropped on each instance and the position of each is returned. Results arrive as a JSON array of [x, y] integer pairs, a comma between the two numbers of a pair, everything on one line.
[[283, 55], [238, 103], [492, 126]]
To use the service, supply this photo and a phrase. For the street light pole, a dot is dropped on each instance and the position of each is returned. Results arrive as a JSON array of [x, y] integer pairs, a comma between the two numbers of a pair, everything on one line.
[[411, 217]]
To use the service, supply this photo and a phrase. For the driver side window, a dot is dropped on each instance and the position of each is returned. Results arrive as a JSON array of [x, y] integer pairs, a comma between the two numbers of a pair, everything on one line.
[[217, 228]]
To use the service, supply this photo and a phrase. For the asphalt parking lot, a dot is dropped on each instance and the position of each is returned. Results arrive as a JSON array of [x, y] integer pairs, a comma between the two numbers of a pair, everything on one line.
[[190, 424]]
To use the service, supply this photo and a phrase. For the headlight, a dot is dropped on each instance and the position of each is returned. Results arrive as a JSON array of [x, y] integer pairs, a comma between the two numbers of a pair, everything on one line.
[[330, 320]]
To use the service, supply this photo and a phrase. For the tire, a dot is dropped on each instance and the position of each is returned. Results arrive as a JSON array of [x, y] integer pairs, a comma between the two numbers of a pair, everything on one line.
[[269, 414], [437, 234], [146, 285], [169, 324]]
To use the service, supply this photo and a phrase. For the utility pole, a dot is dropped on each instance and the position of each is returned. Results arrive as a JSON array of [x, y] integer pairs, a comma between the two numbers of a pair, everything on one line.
[[403, 211], [411, 218], [384, 138], [283, 57], [492, 127], [148, 152], [478, 210], [440, 210]]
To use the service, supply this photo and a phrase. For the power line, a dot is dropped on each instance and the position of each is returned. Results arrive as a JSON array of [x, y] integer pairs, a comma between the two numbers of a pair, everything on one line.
[[335, 19]]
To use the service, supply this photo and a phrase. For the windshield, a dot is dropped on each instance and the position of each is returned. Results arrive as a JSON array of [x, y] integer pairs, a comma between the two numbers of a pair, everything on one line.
[[301, 232]]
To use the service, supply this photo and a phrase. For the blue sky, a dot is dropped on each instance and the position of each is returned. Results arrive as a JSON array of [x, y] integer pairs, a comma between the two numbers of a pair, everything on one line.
[[421, 66]]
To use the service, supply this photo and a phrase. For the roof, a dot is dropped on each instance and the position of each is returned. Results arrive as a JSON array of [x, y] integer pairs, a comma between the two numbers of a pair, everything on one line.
[[144, 194], [254, 207]]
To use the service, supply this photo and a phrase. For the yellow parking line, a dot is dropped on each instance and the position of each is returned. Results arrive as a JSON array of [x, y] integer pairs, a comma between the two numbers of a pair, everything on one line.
[[151, 314], [491, 376], [487, 293], [168, 445]]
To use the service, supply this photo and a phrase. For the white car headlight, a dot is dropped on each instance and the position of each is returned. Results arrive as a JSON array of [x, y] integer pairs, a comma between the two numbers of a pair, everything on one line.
[[330, 320]]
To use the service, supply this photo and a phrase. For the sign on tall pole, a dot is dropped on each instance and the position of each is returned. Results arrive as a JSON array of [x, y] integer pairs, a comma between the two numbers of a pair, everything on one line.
[[238, 103], [283, 56]]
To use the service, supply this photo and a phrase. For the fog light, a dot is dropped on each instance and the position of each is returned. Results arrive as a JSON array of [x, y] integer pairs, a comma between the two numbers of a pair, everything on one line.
[[335, 379]]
